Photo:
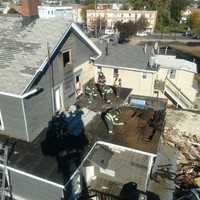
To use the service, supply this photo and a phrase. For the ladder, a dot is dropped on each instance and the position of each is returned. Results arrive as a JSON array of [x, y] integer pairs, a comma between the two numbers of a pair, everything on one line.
[[3, 160]]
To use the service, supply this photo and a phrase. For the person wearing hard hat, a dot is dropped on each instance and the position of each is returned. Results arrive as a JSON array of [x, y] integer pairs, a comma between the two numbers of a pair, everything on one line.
[[117, 85], [107, 94], [101, 82], [111, 118]]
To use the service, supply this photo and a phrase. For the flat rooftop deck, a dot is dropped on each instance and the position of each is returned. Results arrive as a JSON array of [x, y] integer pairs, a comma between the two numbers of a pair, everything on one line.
[[136, 133], [29, 157]]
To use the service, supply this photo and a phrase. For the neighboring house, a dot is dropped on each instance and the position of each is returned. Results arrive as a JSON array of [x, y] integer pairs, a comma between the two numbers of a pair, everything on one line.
[[4, 7], [187, 12], [147, 74], [46, 12], [112, 16], [72, 12], [179, 78], [113, 6], [43, 65]]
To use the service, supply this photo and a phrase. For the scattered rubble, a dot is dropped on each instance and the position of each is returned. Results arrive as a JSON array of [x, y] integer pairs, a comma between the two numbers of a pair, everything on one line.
[[188, 162]]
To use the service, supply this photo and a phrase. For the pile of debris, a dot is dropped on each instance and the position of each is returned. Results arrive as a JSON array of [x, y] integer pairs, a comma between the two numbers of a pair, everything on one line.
[[188, 162]]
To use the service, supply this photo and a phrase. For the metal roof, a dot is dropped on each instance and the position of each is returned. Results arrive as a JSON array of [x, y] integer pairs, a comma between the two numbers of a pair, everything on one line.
[[171, 62]]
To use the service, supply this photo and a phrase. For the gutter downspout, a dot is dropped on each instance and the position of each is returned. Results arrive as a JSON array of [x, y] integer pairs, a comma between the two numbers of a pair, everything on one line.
[[25, 121]]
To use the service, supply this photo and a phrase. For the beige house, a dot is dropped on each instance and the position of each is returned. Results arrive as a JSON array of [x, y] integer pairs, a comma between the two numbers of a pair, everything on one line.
[[178, 77], [112, 16], [149, 75]]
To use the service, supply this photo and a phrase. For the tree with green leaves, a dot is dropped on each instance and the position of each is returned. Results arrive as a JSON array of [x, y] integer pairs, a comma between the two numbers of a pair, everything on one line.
[[176, 7], [141, 24], [168, 10], [99, 24], [130, 28]]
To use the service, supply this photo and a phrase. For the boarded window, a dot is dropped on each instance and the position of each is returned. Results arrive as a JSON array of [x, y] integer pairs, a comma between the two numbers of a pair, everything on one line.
[[144, 75], [77, 79], [172, 74], [66, 58], [116, 73], [99, 69]]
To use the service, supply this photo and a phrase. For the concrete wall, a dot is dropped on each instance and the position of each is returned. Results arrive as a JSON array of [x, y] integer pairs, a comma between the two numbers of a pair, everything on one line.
[[132, 79], [13, 118], [183, 80], [39, 107]]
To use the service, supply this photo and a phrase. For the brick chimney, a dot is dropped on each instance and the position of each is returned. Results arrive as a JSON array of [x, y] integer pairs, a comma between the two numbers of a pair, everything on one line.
[[29, 8]]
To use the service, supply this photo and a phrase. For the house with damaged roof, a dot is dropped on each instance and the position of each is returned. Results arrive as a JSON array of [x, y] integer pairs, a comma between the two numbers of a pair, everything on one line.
[[42, 65]]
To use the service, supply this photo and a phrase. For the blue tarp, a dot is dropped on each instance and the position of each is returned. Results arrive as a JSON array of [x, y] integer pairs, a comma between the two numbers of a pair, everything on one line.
[[138, 103], [74, 122]]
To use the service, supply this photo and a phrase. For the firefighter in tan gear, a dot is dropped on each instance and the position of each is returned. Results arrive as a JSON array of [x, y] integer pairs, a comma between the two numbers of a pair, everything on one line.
[[90, 91], [111, 119], [107, 94], [117, 85], [101, 81]]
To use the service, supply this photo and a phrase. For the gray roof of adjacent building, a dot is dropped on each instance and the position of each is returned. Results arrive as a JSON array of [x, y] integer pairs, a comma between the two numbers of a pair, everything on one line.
[[125, 56], [24, 49]]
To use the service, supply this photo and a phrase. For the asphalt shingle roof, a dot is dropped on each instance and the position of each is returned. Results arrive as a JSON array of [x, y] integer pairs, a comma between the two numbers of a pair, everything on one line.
[[24, 48], [124, 55]]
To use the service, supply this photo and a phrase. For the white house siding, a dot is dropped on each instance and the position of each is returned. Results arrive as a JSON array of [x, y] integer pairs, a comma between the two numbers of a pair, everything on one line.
[[132, 79], [87, 72], [184, 80]]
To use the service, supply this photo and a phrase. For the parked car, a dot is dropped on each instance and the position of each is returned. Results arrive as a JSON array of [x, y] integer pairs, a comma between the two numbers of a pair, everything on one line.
[[109, 31], [187, 34], [142, 34]]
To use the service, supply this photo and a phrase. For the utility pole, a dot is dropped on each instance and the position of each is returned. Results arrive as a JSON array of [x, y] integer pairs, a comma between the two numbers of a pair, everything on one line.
[[95, 7], [51, 79]]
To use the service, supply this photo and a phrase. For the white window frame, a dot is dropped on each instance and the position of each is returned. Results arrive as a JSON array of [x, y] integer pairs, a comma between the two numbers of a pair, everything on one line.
[[2, 123], [70, 57], [58, 87]]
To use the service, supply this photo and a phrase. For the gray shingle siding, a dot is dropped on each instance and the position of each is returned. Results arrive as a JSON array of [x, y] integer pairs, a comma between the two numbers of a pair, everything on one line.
[[32, 189], [13, 118], [38, 108]]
